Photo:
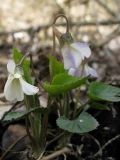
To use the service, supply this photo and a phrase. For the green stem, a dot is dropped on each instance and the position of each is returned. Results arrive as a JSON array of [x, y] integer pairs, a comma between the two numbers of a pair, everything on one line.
[[36, 124], [80, 109], [66, 105], [66, 136]]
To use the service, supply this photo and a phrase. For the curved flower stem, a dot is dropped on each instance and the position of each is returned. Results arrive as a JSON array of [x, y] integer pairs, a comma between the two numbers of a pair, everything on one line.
[[21, 61], [56, 32], [33, 72], [67, 22]]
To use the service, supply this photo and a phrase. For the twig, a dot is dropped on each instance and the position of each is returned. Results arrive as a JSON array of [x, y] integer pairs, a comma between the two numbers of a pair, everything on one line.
[[29, 29], [98, 143], [40, 27], [64, 150], [103, 5], [11, 147], [110, 37], [55, 139], [106, 144]]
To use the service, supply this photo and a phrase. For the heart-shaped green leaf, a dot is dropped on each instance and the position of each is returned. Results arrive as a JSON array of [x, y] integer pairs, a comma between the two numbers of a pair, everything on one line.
[[62, 83], [83, 124], [15, 115], [100, 91]]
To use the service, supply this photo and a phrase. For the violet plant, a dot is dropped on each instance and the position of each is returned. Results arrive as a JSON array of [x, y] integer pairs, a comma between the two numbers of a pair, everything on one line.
[[72, 73], [66, 75], [20, 87]]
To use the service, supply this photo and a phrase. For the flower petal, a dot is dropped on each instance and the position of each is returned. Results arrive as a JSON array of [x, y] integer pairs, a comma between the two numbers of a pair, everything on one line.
[[13, 90], [90, 71], [74, 72], [82, 48], [17, 90], [11, 66], [27, 88], [71, 57], [7, 88]]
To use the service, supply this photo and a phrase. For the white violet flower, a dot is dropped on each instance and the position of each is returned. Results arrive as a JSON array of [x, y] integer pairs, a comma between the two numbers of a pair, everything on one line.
[[16, 86], [73, 57]]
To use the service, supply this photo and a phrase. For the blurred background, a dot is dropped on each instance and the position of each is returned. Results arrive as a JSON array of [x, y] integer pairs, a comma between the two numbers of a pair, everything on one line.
[[27, 25]]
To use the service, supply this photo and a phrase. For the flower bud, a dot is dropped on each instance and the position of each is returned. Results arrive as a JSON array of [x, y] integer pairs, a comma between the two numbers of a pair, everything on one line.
[[63, 39]]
